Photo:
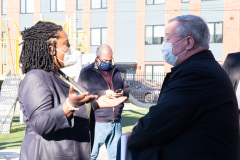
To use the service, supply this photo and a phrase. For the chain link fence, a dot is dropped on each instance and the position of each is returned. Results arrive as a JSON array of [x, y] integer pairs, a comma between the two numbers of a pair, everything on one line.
[[8, 100], [145, 87]]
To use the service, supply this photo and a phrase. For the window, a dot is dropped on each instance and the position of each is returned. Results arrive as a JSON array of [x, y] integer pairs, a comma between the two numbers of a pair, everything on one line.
[[185, 0], [99, 4], [27, 6], [154, 35], [98, 36], [79, 34], [78, 41], [79, 4], [154, 73], [4, 7], [155, 2], [57, 5], [216, 32], [4, 35]]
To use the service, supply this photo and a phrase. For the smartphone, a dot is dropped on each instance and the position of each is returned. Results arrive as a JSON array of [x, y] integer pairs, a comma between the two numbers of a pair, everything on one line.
[[118, 91]]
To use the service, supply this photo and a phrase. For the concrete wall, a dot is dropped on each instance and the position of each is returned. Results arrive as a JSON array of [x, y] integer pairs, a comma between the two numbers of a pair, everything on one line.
[[26, 21], [48, 15], [98, 20], [212, 11], [185, 8], [125, 30], [155, 15]]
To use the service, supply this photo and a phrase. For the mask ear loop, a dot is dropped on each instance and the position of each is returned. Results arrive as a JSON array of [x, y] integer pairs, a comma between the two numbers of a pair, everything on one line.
[[97, 62]]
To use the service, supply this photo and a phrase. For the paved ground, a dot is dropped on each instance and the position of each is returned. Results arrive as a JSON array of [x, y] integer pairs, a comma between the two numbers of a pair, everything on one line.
[[14, 153]]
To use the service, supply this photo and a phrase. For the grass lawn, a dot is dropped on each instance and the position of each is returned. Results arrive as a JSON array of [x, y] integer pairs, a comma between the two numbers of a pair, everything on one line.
[[130, 117], [14, 140]]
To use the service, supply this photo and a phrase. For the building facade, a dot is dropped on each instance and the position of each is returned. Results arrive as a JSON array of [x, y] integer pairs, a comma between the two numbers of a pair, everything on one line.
[[133, 28]]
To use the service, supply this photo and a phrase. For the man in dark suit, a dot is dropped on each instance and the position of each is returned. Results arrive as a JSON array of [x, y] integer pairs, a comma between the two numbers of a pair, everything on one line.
[[196, 115], [232, 67]]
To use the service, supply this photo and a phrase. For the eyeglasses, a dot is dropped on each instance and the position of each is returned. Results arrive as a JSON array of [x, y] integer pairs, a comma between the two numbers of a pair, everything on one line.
[[105, 60]]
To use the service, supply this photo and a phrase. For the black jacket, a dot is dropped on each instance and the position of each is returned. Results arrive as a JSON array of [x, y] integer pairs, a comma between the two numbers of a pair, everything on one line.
[[92, 80], [232, 67], [196, 117], [49, 133]]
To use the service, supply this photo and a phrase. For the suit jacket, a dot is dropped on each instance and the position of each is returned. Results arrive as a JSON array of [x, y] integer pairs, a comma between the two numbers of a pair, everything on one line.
[[196, 117], [49, 133], [232, 67]]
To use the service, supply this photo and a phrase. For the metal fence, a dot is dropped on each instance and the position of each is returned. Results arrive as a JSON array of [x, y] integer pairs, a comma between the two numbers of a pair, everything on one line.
[[145, 87], [8, 99]]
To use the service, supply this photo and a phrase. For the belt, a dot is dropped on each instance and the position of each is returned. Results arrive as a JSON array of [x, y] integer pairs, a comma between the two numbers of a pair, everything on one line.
[[112, 121]]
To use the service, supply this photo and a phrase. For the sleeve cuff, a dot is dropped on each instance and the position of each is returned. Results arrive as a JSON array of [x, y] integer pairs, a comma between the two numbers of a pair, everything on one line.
[[61, 118], [95, 105]]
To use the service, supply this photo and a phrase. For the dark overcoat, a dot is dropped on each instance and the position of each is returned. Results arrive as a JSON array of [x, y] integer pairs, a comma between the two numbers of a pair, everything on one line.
[[196, 117], [232, 67]]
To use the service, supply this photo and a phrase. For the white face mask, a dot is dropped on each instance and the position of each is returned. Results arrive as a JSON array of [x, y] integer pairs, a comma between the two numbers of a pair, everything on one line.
[[70, 57], [168, 56]]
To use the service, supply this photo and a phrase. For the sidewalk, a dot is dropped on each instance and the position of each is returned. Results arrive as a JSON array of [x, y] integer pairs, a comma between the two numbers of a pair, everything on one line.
[[11, 154]]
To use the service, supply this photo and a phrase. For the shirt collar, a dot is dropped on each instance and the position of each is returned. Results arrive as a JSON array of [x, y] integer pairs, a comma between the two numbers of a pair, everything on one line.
[[206, 54]]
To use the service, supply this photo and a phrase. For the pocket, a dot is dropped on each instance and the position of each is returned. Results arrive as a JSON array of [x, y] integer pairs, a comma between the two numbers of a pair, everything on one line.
[[64, 148]]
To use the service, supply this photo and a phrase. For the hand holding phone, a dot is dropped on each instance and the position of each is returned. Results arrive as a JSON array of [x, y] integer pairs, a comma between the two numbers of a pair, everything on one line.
[[118, 93]]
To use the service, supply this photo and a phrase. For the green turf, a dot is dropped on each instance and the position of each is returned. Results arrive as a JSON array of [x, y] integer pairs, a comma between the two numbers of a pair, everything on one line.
[[130, 117], [14, 140]]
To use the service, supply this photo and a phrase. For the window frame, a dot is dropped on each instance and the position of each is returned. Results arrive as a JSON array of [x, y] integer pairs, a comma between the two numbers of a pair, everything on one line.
[[25, 3], [55, 7], [154, 73], [152, 66], [153, 34], [155, 3], [214, 29], [100, 35], [101, 5], [79, 30], [5, 7]]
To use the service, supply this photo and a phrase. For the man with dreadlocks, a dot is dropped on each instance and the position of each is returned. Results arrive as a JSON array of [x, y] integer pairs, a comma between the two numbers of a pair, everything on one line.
[[57, 121]]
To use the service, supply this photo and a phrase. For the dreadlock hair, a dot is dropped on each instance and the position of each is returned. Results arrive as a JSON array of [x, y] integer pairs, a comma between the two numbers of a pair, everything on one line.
[[35, 46]]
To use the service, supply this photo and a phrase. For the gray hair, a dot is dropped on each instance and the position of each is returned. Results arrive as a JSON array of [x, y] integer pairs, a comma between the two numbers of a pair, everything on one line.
[[194, 26], [101, 48]]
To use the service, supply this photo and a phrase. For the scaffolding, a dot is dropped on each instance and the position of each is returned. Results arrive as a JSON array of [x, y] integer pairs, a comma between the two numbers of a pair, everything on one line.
[[10, 49], [9, 52], [78, 40]]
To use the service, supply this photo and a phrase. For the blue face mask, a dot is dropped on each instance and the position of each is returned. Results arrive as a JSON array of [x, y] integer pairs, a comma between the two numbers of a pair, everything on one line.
[[106, 66], [168, 56]]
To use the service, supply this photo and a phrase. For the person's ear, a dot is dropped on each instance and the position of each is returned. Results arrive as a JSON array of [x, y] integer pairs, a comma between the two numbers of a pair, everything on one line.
[[52, 50], [97, 61], [52, 46], [190, 43]]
